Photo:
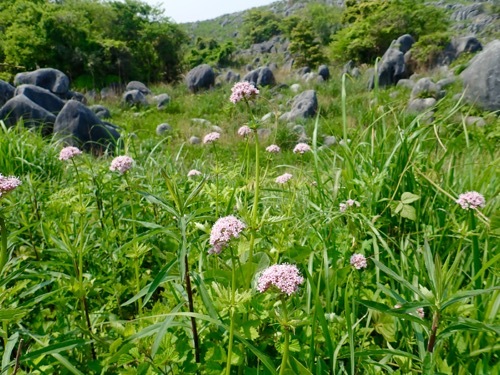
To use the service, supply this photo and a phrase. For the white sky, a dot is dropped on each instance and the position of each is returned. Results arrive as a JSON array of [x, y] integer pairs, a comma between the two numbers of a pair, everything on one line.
[[181, 11]]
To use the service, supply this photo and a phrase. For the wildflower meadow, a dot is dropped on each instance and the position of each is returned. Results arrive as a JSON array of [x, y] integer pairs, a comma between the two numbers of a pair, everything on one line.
[[251, 252]]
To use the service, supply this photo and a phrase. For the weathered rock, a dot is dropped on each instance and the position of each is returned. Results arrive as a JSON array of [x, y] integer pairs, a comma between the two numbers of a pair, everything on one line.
[[262, 76], [33, 115], [329, 141], [403, 43], [6, 92], [101, 111], [475, 121], [295, 87], [324, 71], [458, 46], [482, 78], [420, 105], [134, 97], [76, 125], [425, 88], [407, 83], [162, 100], [73, 95], [231, 77], [194, 140], [445, 82], [43, 97], [303, 70], [304, 105], [199, 78], [136, 85], [163, 129], [391, 69], [48, 78]]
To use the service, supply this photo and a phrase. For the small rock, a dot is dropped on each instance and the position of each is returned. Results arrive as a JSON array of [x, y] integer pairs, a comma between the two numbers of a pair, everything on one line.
[[162, 129], [475, 121], [419, 105], [194, 140]]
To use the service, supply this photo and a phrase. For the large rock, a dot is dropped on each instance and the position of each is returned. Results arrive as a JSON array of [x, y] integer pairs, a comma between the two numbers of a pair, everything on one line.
[[304, 105], [43, 97], [33, 116], [200, 78], [48, 78], [391, 69], [262, 76], [162, 100], [458, 46], [136, 85], [482, 78], [134, 97], [425, 88], [6, 92], [324, 72], [78, 126], [404, 43]]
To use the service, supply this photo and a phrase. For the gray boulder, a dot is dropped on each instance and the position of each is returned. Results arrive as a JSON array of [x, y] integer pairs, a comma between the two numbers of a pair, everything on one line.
[[76, 125], [194, 140], [134, 97], [425, 88], [304, 105], [136, 85], [475, 121], [43, 97], [324, 72], [458, 46], [420, 105], [391, 69], [6, 92], [407, 83], [21, 107], [482, 78], [403, 43], [262, 76], [163, 129], [162, 100], [101, 111], [231, 77], [199, 78], [48, 78]]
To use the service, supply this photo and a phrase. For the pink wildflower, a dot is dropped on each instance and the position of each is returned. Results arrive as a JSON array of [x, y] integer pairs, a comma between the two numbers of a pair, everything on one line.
[[224, 229], [285, 277], [211, 137], [358, 261], [193, 173], [69, 152], [244, 131], [301, 148], [471, 200], [121, 164], [284, 178], [243, 91], [421, 312], [8, 184], [273, 149], [348, 203]]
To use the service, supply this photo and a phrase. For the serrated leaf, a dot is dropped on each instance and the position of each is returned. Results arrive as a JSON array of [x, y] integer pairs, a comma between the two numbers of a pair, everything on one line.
[[407, 198]]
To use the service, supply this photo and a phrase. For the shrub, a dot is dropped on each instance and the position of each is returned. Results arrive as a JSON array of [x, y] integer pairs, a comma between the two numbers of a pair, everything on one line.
[[259, 26]]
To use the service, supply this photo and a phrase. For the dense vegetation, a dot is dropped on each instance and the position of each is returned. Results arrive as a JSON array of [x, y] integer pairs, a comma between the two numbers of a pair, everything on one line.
[[108, 267], [93, 42]]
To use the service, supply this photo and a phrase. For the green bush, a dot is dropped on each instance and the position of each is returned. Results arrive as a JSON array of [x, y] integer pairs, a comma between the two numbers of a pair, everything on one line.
[[259, 26], [209, 51], [428, 48], [373, 25], [305, 46]]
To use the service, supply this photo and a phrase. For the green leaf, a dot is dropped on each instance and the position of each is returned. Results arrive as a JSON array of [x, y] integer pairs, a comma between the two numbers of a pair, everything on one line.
[[11, 344], [407, 198], [54, 348], [467, 294], [408, 212], [399, 313], [8, 315], [167, 323]]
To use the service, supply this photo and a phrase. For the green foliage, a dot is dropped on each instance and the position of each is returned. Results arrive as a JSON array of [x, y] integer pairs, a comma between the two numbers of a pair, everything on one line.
[[429, 47], [88, 37], [305, 46], [259, 26], [209, 51], [325, 20], [373, 25]]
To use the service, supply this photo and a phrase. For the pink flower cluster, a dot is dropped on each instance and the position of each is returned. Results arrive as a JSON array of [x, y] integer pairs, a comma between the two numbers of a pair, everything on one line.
[[193, 173], [224, 229], [348, 203], [301, 148], [284, 178], [285, 277], [273, 149], [358, 261], [69, 152], [471, 200], [211, 137], [244, 131], [8, 184], [243, 91], [121, 164]]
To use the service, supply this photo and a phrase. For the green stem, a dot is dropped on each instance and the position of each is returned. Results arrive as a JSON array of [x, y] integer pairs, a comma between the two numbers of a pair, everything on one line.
[[476, 263], [231, 315], [286, 333], [255, 206], [3, 251]]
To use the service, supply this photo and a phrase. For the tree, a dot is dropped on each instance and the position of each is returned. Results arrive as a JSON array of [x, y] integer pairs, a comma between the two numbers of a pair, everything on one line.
[[260, 26], [305, 46]]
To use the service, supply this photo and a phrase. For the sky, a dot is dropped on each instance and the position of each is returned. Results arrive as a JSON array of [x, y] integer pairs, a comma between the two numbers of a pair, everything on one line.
[[181, 11]]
